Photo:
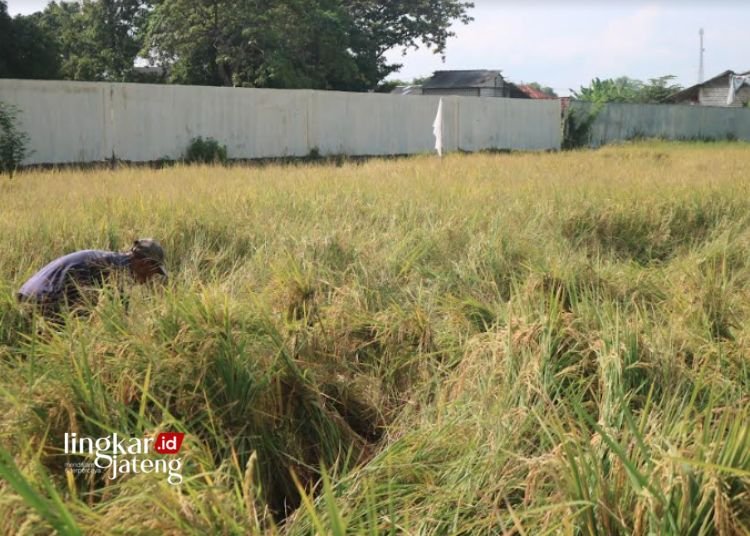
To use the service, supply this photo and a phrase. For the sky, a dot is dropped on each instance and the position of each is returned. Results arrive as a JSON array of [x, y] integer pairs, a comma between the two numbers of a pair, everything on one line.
[[564, 44]]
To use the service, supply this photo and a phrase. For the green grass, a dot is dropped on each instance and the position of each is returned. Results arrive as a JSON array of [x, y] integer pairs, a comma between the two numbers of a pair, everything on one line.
[[483, 344]]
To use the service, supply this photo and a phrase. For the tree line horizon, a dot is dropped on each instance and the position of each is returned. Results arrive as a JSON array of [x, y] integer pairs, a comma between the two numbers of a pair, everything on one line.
[[295, 44]]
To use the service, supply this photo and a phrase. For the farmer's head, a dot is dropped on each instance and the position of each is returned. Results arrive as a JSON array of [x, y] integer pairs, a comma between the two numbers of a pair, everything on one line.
[[147, 259]]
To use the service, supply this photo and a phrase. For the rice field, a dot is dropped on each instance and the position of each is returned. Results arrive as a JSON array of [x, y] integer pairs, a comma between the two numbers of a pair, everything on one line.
[[513, 343]]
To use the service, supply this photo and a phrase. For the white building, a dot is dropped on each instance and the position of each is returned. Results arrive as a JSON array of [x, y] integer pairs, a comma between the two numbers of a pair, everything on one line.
[[715, 92]]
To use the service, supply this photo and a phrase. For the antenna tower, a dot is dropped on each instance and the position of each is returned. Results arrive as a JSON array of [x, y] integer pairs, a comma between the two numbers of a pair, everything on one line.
[[700, 63]]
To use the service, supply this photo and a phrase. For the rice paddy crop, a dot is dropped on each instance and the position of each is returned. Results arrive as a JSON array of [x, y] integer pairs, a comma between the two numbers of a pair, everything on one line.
[[485, 344]]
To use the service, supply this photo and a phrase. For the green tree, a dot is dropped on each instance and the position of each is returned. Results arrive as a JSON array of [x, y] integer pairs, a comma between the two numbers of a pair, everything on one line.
[[96, 39], [659, 89], [624, 89], [6, 41], [621, 89], [326, 44], [382, 26], [204, 42], [13, 141], [26, 50]]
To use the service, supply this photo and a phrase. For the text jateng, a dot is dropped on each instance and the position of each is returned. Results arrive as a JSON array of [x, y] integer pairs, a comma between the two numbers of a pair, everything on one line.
[[119, 456]]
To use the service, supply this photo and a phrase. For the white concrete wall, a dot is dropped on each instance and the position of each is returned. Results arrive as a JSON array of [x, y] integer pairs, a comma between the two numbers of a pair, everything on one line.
[[90, 121], [619, 121], [158, 121], [376, 124], [503, 123], [66, 122]]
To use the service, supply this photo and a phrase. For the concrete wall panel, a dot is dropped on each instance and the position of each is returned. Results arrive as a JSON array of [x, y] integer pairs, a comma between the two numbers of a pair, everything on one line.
[[496, 123], [619, 121], [152, 122], [92, 121], [66, 122], [376, 124]]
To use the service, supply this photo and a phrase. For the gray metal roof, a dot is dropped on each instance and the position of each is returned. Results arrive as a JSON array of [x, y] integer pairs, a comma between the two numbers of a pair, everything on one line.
[[461, 79], [692, 91]]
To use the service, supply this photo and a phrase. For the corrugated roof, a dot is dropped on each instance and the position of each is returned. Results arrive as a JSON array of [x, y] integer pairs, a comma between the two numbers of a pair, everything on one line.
[[692, 91], [461, 79]]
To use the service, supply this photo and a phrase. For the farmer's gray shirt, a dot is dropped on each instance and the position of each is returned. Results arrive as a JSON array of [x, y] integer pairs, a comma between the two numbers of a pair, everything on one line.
[[60, 280]]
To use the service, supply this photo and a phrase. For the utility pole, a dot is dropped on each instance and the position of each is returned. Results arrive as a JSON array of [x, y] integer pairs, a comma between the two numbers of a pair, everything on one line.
[[700, 64]]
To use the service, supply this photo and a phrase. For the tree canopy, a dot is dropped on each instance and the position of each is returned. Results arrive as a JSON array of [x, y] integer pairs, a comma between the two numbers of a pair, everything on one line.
[[324, 44], [26, 50], [96, 39], [624, 89]]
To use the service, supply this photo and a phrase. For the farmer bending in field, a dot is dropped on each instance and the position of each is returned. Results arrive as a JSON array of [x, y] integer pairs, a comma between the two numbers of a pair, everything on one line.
[[68, 281]]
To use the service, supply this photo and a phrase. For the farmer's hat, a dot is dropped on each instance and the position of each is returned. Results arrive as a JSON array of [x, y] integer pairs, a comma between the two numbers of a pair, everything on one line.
[[148, 248]]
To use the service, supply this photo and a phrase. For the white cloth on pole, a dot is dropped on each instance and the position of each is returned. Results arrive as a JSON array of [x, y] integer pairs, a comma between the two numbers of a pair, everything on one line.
[[735, 83], [437, 129]]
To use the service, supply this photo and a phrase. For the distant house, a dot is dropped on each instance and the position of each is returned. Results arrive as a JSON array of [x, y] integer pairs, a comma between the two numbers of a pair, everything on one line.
[[476, 83], [715, 92]]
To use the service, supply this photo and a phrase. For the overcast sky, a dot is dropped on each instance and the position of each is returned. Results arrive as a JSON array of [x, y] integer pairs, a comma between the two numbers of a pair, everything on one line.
[[567, 43]]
